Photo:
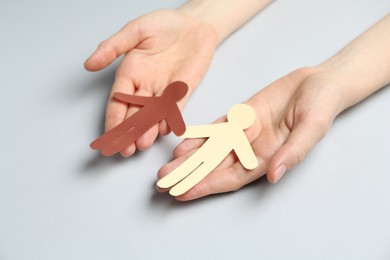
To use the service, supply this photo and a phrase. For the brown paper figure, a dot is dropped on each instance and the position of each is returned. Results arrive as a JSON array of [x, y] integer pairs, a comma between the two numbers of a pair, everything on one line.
[[223, 138], [153, 111]]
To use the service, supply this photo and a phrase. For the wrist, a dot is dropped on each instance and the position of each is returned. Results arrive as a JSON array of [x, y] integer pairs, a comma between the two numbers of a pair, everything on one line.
[[361, 67], [342, 82], [224, 16], [354, 81], [200, 11]]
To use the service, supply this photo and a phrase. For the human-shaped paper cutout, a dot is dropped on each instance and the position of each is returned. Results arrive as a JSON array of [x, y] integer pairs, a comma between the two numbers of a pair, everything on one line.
[[153, 111], [223, 138]]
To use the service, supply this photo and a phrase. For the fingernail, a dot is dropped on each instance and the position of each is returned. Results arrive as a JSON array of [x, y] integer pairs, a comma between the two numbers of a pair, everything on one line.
[[279, 172]]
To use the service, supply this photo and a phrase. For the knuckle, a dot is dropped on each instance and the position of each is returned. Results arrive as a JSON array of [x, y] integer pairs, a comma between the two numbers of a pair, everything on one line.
[[103, 44], [164, 170], [298, 154], [179, 150], [112, 120], [236, 186], [237, 182], [320, 124], [106, 44]]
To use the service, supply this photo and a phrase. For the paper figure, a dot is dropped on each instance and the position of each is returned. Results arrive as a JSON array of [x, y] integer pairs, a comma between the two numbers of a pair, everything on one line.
[[222, 139], [153, 111]]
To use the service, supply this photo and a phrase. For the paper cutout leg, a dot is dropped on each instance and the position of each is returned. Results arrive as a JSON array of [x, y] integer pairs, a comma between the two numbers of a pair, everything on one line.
[[223, 138], [194, 178], [193, 170], [182, 171], [123, 141], [112, 138]]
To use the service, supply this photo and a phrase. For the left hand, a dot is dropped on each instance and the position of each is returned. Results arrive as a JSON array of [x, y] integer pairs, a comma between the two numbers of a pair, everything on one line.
[[158, 48]]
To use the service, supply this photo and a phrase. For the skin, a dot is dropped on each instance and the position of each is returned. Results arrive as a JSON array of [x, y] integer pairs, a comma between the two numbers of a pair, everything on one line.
[[162, 47], [158, 49], [295, 112]]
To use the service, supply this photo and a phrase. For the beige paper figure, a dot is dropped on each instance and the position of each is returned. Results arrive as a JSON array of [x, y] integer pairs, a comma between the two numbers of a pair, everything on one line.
[[223, 138]]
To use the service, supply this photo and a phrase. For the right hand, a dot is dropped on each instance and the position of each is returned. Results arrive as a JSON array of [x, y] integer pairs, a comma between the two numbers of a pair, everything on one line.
[[293, 114], [159, 48]]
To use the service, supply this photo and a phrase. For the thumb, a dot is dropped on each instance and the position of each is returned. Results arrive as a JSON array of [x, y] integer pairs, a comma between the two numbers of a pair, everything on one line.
[[301, 140], [110, 49]]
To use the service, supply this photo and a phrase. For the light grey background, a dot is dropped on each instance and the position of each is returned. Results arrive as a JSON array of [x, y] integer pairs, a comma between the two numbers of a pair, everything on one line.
[[61, 200]]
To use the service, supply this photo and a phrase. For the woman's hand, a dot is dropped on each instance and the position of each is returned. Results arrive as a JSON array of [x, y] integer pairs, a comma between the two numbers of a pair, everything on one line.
[[159, 48], [293, 114]]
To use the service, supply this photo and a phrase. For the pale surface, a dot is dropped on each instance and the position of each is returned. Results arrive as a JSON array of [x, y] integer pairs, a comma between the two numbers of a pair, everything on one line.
[[222, 138], [61, 200]]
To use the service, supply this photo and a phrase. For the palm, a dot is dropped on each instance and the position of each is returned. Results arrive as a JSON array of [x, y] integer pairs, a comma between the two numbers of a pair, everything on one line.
[[160, 47], [177, 47]]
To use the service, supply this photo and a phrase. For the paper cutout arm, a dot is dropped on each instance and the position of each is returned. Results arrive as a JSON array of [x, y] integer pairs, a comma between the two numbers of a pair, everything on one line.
[[175, 121], [199, 131], [131, 99], [245, 153]]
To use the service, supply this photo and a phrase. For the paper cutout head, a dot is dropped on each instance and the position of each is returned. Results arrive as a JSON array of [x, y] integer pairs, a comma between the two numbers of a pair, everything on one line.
[[175, 91], [241, 115]]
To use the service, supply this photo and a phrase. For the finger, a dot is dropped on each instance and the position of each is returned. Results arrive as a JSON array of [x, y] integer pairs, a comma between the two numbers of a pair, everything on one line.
[[150, 133], [164, 128], [198, 174], [192, 179], [301, 140], [169, 167], [119, 43], [224, 180], [147, 139], [128, 151], [183, 170], [188, 145], [116, 110]]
